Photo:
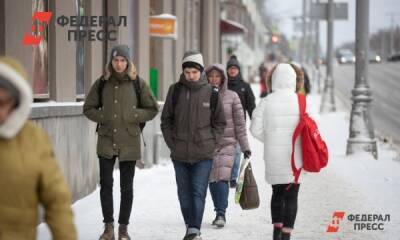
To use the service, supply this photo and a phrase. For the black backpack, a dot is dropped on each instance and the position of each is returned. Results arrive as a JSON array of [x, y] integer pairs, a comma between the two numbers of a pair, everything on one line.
[[213, 100], [137, 89]]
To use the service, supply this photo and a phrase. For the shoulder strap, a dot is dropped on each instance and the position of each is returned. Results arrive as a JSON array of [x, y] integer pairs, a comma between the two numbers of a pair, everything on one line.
[[302, 109], [175, 94], [100, 89], [302, 103], [138, 91]]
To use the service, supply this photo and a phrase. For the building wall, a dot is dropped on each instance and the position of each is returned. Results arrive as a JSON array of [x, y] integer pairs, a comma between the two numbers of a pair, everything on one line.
[[74, 143]]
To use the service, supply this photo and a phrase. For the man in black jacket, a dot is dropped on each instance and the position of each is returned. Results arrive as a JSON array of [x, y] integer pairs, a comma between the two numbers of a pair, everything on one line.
[[246, 95]]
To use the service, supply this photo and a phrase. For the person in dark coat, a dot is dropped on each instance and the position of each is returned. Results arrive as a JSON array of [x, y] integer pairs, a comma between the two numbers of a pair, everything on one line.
[[246, 95], [191, 130]]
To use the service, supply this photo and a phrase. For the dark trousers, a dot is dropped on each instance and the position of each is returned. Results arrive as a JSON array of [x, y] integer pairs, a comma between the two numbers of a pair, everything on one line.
[[219, 193], [127, 172], [284, 204], [192, 183]]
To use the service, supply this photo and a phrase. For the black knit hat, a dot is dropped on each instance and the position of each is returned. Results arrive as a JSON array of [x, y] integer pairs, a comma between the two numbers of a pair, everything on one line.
[[121, 50], [233, 62]]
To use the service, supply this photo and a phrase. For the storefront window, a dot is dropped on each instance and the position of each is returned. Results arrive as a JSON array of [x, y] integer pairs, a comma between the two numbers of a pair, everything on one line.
[[80, 54], [40, 54]]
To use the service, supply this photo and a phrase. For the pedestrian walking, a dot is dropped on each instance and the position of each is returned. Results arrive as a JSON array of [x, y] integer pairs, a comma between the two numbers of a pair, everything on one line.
[[192, 123], [274, 121], [235, 132], [246, 95], [29, 174], [119, 102]]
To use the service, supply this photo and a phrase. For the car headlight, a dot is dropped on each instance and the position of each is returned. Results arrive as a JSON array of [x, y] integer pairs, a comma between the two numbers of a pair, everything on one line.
[[378, 59], [342, 59]]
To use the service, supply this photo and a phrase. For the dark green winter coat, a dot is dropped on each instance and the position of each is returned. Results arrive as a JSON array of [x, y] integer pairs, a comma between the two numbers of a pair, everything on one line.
[[187, 130], [119, 118]]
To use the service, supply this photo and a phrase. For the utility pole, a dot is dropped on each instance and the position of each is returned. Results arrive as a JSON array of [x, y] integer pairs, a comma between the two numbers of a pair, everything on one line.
[[362, 136], [328, 97], [303, 35], [317, 55], [392, 16]]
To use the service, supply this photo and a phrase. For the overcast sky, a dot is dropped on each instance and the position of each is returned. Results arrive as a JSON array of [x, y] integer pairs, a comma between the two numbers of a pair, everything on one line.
[[344, 30]]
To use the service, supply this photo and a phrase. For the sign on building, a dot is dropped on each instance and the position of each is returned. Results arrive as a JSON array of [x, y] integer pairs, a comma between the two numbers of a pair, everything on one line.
[[164, 26], [319, 11]]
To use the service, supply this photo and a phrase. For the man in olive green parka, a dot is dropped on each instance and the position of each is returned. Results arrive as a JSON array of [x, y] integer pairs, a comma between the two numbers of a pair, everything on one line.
[[113, 104]]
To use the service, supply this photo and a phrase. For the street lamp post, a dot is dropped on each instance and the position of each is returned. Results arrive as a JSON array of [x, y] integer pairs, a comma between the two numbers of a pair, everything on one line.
[[362, 137], [328, 97]]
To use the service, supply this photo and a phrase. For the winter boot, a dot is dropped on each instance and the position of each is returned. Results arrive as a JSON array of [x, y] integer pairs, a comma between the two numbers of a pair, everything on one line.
[[123, 232], [285, 236], [277, 233], [108, 233], [192, 236], [219, 221]]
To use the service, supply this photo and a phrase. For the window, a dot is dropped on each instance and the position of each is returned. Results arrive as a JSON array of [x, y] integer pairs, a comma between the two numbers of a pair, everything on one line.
[[40, 54], [80, 54]]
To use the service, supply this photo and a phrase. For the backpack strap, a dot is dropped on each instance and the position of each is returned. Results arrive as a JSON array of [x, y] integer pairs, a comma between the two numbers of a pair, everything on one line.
[[175, 96], [138, 91], [302, 108], [100, 89]]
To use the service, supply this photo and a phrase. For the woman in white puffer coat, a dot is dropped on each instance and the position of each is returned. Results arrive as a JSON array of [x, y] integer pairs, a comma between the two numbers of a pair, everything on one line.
[[274, 121]]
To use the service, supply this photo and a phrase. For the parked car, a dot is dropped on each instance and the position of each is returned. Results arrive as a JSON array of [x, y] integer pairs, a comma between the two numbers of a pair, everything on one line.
[[394, 57]]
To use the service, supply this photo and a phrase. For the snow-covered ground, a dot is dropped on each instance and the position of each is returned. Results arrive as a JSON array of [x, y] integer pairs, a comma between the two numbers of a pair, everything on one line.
[[356, 184]]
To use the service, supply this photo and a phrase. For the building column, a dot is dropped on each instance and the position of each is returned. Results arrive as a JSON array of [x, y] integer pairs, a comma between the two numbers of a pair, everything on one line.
[[94, 51], [141, 38], [17, 17], [210, 31], [162, 56], [62, 54]]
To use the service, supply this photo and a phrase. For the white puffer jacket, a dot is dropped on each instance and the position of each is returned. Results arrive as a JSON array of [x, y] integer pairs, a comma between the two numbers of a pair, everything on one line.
[[273, 123]]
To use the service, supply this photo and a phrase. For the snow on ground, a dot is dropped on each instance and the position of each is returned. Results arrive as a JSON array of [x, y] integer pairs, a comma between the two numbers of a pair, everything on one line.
[[356, 184]]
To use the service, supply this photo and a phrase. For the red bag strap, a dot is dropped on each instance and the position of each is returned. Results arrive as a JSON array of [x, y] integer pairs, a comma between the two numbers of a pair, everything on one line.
[[302, 109], [302, 103]]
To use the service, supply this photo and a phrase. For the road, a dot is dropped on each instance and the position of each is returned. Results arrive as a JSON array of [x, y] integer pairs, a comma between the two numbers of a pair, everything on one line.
[[384, 80]]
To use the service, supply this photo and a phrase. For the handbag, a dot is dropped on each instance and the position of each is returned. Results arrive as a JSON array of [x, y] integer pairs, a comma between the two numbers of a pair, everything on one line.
[[247, 191]]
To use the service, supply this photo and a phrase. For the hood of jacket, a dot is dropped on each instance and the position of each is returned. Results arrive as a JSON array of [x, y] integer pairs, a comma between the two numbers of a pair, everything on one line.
[[221, 69], [18, 117], [283, 78], [130, 71]]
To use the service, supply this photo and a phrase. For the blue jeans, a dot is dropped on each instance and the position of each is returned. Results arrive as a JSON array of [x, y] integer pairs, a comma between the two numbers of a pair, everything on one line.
[[192, 182], [219, 193], [236, 163]]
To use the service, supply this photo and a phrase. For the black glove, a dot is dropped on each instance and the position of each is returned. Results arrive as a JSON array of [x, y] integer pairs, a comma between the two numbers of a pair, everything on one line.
[[247, 154]]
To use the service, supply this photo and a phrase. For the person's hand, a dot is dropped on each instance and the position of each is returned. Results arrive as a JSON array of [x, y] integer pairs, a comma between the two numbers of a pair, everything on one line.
[[247, 154]]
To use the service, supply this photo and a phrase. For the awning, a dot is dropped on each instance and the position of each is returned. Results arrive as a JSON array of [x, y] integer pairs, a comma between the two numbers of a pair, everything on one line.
[[231, 27]]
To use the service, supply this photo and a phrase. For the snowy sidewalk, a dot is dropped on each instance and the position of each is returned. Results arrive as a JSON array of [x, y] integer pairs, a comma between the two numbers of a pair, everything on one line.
[[355, 185]]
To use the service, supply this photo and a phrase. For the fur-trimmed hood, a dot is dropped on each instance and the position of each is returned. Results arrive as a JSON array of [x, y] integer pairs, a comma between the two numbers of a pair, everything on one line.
[[19, 116], [130, 71]]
